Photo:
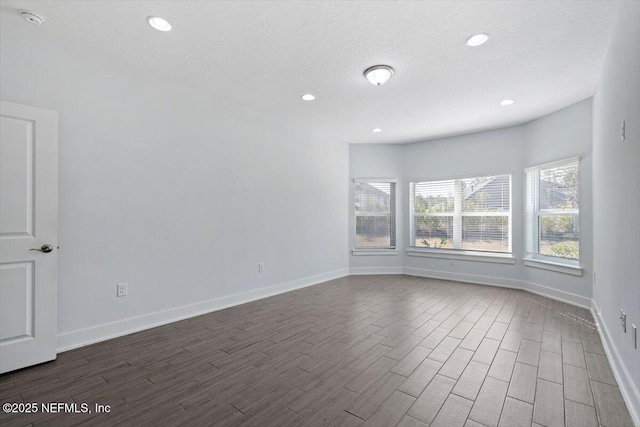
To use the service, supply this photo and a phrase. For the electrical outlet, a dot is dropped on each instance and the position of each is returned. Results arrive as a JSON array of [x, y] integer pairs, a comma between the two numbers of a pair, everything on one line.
[[623, 320], [122, 290], [261, 267]]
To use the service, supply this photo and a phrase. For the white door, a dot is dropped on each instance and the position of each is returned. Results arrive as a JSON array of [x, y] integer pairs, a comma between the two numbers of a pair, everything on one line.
[[28, 220]]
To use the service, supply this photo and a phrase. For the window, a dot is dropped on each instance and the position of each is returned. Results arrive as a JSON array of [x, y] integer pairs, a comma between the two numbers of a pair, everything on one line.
[[553, 212], [375, 206], [468, 214]]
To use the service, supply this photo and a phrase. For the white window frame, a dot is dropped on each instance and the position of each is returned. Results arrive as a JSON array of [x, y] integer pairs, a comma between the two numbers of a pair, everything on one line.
[[372, 250], [457, 214], [533, 214]]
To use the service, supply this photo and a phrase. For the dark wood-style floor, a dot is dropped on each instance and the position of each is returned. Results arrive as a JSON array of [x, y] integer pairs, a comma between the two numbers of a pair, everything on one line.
[[358, 351]]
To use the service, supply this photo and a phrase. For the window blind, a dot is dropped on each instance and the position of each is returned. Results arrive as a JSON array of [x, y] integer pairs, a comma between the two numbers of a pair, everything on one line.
[[470, 214], [553, 210], [375, 207]]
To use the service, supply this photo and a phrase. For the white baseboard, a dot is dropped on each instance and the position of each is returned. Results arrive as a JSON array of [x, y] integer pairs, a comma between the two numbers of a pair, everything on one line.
[[462, 277], [623, 378], [556, 294], [356, 271], [534, 288], [80, 338]]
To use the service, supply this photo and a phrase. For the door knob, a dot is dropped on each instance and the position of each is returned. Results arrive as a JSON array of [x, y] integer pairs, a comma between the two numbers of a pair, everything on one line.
[[45, 248]]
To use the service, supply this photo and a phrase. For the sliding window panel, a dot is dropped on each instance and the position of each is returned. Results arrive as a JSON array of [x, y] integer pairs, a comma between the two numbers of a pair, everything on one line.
[[434, 232], [559, 236], [485, 233]]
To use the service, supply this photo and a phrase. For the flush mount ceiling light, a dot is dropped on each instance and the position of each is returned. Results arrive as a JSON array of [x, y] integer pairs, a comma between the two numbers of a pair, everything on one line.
[[506, 102], [477, 40], [308, 97], [376, 130], [159, 23], [378, 74], [31, 17]]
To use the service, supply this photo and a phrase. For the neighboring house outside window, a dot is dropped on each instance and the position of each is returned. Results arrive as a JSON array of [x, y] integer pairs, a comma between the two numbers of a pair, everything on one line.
[[553, 212], [464, 214], [375, 210]]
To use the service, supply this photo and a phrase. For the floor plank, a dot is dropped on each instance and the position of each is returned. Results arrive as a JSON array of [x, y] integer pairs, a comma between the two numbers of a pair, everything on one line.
[[371, 399], [549, 406], [488, 405], [486, 351], [610, 407], [599, 369], [515, 413], [391, 411], [453, 413], [550, 367], [471, 380], [579, 415], [432, 398], [456, 363], [576, 385], [502, 366], [415, 384], [523, 382]]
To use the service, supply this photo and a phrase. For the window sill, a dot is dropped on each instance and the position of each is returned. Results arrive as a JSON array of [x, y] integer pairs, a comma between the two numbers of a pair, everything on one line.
[[374, 252], [574, 270], [463, 255]]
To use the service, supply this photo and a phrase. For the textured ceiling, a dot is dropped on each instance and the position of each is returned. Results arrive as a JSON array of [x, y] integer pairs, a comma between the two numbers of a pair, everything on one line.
[[265, 55]]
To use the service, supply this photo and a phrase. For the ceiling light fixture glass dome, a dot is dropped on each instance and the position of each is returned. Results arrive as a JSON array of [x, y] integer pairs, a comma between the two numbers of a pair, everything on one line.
[[159, 23], [378, 74], [477, 40]]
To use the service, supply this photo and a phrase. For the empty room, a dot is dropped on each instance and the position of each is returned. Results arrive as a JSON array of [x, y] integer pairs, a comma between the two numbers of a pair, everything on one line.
[[320, 213]]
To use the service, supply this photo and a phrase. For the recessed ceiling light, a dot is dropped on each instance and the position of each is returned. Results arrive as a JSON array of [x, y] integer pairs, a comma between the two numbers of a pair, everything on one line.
[[378, 74], [308, 97], [31, 17], [477, 39], [376, 130], [507, 102], [159, 23]]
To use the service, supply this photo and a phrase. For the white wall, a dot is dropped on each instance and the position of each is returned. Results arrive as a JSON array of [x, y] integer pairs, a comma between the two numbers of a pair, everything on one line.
[[616, 195], [559, 135], [174, 191]]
